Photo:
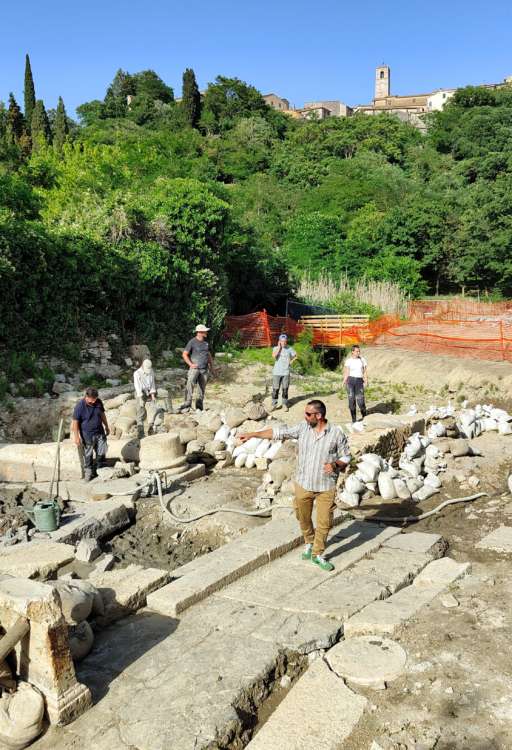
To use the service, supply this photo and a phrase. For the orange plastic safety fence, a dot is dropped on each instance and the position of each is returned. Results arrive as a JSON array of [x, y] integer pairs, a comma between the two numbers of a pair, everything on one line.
[[259, 329], [455, 308], [483, 339], [477, 339]]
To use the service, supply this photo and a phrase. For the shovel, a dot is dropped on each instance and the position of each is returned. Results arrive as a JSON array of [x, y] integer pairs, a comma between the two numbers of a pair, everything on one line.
[[56, 464]]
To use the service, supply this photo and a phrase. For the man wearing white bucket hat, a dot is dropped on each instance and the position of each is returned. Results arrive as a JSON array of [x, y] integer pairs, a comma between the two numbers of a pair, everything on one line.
[[145, 390], [199, 360]]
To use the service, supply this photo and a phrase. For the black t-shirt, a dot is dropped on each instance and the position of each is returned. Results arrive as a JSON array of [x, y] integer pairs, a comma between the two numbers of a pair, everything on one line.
[[198, 352], [88, 417]]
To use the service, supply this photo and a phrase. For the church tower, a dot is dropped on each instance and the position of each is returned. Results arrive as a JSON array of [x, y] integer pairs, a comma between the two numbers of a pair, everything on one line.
[[382, 81]]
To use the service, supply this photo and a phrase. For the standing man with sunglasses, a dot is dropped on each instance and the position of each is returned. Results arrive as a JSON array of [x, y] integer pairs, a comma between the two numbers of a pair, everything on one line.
[[323, 452]]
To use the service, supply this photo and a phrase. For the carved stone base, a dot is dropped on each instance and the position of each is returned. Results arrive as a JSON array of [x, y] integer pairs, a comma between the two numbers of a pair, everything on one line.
[[65, 707]]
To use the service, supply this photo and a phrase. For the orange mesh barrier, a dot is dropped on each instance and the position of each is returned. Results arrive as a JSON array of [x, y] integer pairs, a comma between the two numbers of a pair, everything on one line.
[[491, 339], [261, 329], [456, 308]]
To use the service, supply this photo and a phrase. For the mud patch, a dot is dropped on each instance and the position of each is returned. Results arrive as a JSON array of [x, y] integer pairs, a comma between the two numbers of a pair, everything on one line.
[[153, 542]]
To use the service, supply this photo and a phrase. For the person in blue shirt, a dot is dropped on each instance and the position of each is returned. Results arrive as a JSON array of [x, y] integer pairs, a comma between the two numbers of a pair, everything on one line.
[[284, 356], [90, 429]]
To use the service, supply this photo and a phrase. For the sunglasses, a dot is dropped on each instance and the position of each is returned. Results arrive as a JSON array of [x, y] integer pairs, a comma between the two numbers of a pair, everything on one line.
[[310, 413]]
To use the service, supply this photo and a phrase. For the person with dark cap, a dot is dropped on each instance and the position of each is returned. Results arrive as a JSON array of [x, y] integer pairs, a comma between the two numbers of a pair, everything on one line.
[[284, 357]]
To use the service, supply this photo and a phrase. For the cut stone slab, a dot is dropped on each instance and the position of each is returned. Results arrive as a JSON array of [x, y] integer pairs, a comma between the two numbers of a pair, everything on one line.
[[288, 581], [442, 572], [336, 710], [499, 540], [129, 487], [125, 590], [388, 616], [210, 573], [35, 559], [418, 541], [368, 660], [34, 462], [234, 561], [94, 520]]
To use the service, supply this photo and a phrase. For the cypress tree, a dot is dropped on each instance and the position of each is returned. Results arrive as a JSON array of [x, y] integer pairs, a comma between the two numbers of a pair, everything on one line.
[[29, 92], [15, 123], [61, 127], [40, 126], [191, 98]]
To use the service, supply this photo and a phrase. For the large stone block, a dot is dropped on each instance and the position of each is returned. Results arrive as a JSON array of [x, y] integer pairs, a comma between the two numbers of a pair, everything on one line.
[[34, 462], [335, 712], [42, 656], [124, 591], [35, 559]]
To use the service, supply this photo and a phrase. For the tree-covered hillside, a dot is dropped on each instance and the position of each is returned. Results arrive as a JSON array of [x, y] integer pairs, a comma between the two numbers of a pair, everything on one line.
[[152, 213]]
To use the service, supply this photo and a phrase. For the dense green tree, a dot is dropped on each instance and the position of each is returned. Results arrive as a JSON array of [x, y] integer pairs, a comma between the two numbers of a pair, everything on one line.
[[228, 99], [40, 126], [60, 127], [29, 92], [148, 84], [15, 122], [191, 98], [115, 103]]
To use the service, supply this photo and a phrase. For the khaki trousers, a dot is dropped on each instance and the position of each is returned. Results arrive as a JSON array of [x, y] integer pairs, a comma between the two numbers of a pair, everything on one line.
[[325, 505]]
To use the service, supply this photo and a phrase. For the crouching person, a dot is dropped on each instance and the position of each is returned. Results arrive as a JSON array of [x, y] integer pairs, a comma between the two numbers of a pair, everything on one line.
[[90, 429], [145, 391], [323, 452]]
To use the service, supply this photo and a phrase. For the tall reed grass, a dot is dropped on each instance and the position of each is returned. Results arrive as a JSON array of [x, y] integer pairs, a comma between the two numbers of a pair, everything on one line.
[[324, 290]]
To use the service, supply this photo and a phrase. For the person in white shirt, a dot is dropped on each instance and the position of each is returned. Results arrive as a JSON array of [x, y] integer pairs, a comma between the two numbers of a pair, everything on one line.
[[145, 390], [355, 380]]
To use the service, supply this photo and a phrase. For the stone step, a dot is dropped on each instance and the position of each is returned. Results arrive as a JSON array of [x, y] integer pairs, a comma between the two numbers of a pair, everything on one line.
[[94, 519], [125, 590], [333, 711], [209, 573], [36, 559], [388, 616]]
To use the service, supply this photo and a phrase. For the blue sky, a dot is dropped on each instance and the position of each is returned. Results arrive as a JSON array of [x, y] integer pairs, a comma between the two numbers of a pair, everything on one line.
[[326, 49]]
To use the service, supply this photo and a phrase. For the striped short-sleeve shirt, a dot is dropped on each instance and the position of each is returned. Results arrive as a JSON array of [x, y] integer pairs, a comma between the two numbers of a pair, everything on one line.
[[315, 450]]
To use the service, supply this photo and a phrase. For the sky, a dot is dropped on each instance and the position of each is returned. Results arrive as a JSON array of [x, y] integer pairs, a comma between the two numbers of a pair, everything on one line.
[[301, 50]]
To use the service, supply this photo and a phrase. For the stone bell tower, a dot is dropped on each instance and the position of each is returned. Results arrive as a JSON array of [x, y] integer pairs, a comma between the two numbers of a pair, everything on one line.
[[382, 81]]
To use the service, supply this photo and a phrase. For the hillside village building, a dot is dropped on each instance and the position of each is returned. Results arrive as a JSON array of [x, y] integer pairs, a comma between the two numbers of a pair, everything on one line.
[[410, 108]]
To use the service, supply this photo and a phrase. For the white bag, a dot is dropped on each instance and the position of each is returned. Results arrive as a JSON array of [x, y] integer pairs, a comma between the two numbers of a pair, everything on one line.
[[372, 458], [414, 484], [354, 484], [240, 460], [251, 444], [386, 486], [262, 448], [350, 498], [424, 493], [504, 428], [222, 433], [401, 489], [250, 461], [432, 480], [369, 472], [273, 450]]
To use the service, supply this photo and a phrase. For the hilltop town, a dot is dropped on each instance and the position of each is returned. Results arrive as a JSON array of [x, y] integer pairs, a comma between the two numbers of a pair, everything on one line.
[[410, 108]]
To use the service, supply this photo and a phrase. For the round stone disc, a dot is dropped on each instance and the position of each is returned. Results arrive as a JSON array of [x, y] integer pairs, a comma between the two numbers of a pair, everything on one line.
[[368, 660]]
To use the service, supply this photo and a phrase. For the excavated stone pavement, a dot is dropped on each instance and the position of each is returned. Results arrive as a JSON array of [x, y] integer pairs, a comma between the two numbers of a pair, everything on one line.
[[190, 681]]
